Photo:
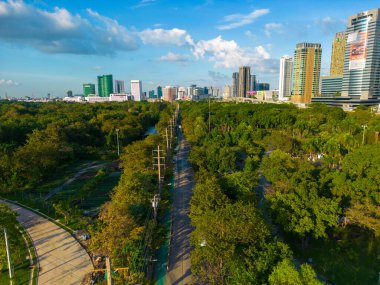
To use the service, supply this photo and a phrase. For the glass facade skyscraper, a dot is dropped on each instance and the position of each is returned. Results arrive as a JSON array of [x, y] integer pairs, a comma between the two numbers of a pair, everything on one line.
[[337, 54], [244, 81], [105, 85], [361, 79]]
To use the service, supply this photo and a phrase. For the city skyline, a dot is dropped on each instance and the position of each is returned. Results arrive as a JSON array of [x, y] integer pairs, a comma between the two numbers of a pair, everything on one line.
[[46, 51]]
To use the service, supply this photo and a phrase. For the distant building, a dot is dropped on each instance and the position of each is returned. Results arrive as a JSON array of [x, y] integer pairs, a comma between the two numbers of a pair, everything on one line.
[[263, 86], [331, 86], [120, 97], [159, 91], [136, 90], [266, 95], [235, 84], [182, 93], [69, 93], [253, 86], [306, 72], [285, 82], [119, 87], [227, 92], [88, 89], [169, 93], [151, 94], [337, 54], [244, 81], [105, 85]]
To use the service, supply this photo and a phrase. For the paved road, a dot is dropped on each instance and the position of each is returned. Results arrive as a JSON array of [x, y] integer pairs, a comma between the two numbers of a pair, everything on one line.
[[179, 268], [62, 259]]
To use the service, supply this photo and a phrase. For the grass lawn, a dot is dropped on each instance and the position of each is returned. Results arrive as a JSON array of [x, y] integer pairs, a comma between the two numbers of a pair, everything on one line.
[[350, 256]]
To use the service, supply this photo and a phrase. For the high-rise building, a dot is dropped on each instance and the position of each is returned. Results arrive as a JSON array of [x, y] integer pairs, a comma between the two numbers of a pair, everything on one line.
[[235, 84], [69, 93], [88, 89], [151, 94], [331, 86], [244, 80], [169, 93], [263, 86], [253, 86], [182, 93], [159, 91], [119, 86], [136, 90], [285, 82], [306, 72], [227, 92], [105, 85], [361, 79], [337, 54]]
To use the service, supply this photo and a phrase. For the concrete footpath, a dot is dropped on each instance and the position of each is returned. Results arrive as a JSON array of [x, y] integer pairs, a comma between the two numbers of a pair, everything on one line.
[[61, 258]]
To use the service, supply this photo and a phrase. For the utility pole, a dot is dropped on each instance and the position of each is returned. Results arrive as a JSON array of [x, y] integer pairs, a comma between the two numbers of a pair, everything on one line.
[[8, 255], [167, 139], [209, 114], [364, 128], [108, 266], [118, 144], [159, 164]]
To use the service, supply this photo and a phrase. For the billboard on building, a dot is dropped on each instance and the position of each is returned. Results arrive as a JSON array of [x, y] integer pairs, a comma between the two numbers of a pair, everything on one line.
[[358, 49]]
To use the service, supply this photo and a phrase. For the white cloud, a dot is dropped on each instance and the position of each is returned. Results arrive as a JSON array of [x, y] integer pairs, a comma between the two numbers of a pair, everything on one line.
[[174, 36], [8, 82], [59, 31], [273, 28], [173, 57], [228, 54], [238, 20], [143, 3]]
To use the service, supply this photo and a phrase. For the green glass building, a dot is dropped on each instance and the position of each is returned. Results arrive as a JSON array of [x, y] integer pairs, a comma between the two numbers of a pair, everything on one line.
[[105, 85], [88, 88]]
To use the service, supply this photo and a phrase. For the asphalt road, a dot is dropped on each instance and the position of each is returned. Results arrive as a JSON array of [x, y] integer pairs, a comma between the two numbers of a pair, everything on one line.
[[179, 267], [62, 259]]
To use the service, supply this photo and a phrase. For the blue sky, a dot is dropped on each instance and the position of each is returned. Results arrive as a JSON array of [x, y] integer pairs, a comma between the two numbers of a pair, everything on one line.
[[54, 46]]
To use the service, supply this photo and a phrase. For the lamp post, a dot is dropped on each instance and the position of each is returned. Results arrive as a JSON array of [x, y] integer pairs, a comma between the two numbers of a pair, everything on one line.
[[8, 254], [118, 144]]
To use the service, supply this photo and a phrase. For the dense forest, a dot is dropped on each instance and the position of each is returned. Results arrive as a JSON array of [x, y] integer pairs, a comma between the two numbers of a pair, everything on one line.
[[37, 140], [284, 193]]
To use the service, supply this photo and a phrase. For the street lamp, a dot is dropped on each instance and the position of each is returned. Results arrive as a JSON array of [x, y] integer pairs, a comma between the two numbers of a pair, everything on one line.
[[8, 254], [118, 144], [156, 199]]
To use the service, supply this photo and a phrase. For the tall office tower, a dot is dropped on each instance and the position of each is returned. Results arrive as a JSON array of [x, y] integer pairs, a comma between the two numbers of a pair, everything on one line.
[[337, 54], [136, 90], [361, 79], [263, 86], [253, 86], [182, 93], [119, 86], [285, 83], [306, 72], [169, 93], [88, 88], [227, 91], [244, 80], [159, 91], [105, 85], [69, 93], [235, 84]]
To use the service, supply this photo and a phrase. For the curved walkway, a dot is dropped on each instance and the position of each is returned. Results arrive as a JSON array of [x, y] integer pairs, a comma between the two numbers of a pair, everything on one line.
[[61, 258]]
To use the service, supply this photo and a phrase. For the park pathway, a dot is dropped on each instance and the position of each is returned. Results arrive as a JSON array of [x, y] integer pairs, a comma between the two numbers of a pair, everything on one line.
[[179, 267], [62, 260]]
